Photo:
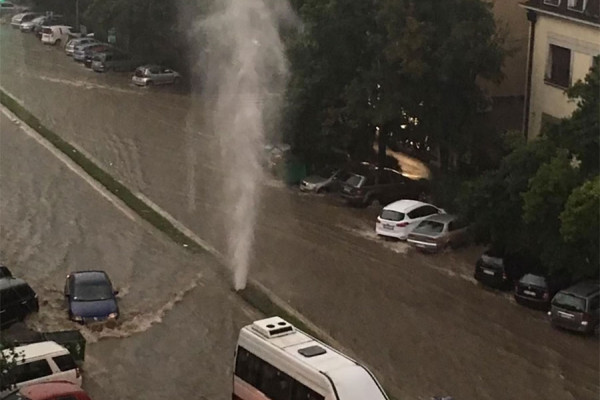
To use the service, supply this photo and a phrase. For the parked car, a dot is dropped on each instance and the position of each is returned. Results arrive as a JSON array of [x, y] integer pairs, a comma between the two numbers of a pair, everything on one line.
[[73, 43], [18, 19], [56, 34], [113, 61], [148, 75], [58, 390], [81, 51], [328, 179], [577, 308], [399, 218], [369, 184], [5, 272], [42, 362], [17, 300], [536, 289], [28, 26], [7, 8], [439, 231], [91, 297], [49, 21], [501, 269]]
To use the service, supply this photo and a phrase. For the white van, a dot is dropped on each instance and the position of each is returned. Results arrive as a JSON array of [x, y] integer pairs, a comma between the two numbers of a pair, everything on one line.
[[43, 362], [56, 34]]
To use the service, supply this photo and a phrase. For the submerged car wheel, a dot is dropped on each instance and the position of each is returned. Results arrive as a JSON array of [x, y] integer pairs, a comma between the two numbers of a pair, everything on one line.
[[149, 83], [176, 81]]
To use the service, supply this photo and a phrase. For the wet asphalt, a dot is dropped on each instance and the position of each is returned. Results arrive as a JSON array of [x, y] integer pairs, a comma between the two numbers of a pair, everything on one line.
[[420, 322]]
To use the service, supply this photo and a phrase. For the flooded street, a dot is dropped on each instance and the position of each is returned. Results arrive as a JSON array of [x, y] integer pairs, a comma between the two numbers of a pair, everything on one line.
[[420, 322]]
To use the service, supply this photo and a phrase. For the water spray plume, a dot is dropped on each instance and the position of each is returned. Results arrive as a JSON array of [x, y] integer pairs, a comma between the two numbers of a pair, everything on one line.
[[245, 67]]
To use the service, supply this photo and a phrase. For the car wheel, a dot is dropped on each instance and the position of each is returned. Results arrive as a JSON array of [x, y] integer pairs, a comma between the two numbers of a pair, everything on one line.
[[57, 43]]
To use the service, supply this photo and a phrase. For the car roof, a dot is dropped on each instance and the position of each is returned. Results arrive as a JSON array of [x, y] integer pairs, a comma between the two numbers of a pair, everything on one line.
[[583, 289], [405, 206], [46, 389], [8, 281], [442, 218], [37, 350], [89, 276]]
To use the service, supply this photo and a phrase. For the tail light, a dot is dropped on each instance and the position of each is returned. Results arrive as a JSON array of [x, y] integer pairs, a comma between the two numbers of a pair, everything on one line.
[[402, 224], [546, 296], [504, 276], [585, 319]]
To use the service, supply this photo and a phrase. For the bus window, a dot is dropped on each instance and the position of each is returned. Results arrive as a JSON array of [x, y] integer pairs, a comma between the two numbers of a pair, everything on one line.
[[247, 367], [301, 392], [274, 383]]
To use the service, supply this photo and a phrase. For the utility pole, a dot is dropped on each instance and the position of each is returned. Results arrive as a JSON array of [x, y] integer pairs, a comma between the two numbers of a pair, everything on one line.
[[77, 15]]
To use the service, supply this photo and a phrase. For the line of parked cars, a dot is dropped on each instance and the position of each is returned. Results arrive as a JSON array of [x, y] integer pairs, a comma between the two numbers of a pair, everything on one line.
[[92, 53], [47, 370], [570, 305]]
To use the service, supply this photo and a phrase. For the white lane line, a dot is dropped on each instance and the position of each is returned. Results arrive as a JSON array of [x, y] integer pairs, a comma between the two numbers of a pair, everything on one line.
[[70, 164]]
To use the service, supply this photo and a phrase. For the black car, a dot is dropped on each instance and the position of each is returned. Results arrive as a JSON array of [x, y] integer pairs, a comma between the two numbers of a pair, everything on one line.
[[369, 184], [91, 297], [499, 269], [577, 308], [537, 289], [17, 300]]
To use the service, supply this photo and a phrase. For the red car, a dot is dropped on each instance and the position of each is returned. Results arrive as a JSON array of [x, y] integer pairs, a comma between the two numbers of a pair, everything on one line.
[[58, 390]]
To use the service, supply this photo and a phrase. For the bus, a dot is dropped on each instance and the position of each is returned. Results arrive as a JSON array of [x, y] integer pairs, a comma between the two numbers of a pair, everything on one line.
[[276, 361]]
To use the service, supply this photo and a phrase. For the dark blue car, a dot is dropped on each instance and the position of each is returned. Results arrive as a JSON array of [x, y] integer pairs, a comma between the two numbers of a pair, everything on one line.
[[90, 297]]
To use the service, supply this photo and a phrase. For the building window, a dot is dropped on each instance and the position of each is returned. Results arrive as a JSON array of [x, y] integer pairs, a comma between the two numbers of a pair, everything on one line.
[[558, 70], [577, 5], [552, 2]]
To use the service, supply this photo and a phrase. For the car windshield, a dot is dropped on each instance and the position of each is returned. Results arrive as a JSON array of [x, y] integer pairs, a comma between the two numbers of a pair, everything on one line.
[[430, 227], [355, 180], [536, 280], [391, 215], [92, 290], [569, 302]]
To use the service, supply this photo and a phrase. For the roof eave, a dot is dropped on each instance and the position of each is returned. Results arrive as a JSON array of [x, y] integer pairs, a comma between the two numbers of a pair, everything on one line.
[[558, 15]]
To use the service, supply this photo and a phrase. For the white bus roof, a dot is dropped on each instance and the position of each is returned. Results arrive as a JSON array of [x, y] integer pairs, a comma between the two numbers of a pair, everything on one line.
[[351, 380]]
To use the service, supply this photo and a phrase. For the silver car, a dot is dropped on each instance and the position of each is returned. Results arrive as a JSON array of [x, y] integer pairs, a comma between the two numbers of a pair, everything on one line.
[[28, 26], [327, 180], [148, 75], [73, 43]]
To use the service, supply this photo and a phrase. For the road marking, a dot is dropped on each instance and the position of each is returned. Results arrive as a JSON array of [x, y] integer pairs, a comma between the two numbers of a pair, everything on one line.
[[70, 164]]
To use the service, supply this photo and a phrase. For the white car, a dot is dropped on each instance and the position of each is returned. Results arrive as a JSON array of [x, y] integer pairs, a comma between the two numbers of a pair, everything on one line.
[[399, 218], [56, 34], [43, 362]]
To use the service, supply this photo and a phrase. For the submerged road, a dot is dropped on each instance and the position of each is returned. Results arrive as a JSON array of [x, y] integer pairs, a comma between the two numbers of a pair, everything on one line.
[[420, 322]]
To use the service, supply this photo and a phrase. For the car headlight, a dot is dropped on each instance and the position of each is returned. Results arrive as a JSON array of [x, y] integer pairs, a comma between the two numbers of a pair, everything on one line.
[[113, 315], [77, 318]]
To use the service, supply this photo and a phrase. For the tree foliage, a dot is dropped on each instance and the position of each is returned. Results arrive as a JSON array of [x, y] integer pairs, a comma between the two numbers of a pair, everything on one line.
[[544, 197], [387, 64]]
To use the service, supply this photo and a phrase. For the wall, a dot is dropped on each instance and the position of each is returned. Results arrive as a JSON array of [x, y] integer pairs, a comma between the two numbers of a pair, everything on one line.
[[510, 18], [584, 42]]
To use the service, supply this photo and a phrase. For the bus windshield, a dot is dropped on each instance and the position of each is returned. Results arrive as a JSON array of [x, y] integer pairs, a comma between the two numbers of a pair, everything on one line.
[[356, 383]]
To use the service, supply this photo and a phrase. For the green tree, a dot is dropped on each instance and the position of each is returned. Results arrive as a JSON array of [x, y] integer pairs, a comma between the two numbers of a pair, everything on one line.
[[390, 64], [544, 197]]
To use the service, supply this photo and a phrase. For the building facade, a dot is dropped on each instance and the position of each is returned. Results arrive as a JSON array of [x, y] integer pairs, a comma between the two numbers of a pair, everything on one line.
[[564, 36]]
